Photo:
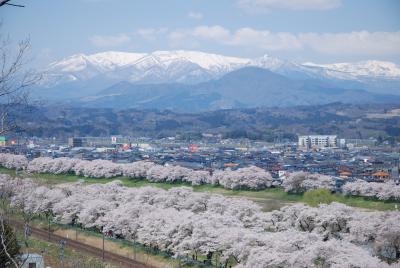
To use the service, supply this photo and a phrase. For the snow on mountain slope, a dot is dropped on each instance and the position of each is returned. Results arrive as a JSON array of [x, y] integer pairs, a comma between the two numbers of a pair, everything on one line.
[[114, 59], [103, 61], [180, 66], [111, 60], [204, 60], [287, 68], [81, 67], [194, 67], [372, 68]]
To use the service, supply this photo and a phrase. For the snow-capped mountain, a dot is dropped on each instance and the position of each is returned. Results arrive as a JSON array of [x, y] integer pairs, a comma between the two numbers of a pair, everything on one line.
[[97, 71], [288, 68], [372, 69], [105, 61], [157, 67], [211, 62]]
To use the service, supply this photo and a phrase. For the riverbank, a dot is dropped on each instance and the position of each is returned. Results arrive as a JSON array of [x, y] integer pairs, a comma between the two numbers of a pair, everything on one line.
[[269, 199]]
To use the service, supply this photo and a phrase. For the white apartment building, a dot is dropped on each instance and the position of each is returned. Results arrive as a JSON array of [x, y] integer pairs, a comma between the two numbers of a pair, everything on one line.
[[318, 141]]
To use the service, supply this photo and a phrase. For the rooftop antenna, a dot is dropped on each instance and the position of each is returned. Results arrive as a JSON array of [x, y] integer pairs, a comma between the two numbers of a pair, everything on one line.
[[6, 2]]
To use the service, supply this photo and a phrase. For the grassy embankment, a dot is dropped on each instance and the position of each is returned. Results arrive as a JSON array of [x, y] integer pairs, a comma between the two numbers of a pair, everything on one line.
[[269, 199], [51, 254]]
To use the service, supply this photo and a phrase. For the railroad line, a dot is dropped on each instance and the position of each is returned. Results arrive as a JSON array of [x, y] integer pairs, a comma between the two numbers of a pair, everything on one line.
[[123, 261]]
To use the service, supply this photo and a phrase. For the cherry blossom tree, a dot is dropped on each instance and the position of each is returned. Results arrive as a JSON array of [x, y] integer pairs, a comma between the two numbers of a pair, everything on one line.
[[299, 182], [382, 191], [186, 223], [137, 169], [62, 165], [13, 161], [244, 178]]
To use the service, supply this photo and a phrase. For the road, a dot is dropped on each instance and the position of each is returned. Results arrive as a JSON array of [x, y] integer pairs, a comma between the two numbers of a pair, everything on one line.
[[123, 262]]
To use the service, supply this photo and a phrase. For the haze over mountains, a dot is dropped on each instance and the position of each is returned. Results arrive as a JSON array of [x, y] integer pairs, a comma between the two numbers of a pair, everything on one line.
[[197, 81]]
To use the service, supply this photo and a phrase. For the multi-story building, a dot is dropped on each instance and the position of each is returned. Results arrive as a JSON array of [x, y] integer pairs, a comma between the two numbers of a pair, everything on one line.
[[317, 141], [75, 142]]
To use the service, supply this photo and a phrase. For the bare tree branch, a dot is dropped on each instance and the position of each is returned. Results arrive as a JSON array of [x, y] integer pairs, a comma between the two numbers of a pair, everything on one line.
[[15, 80], [6, 2], [3, 239]]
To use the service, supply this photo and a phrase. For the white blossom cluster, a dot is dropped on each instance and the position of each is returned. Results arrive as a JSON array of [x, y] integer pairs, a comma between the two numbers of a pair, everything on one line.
[[382, 191], [184, 222], [170, 173], [300, 182], [248, 177], [13, 161], [97, 169], [244, 178], [63, 165]]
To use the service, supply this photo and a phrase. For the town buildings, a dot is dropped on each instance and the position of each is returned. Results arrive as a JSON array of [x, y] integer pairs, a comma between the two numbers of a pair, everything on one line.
[[370, 163]]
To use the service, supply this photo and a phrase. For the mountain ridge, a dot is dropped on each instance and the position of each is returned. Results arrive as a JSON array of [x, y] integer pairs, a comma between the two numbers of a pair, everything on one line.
[[214, 65], [193, 76], [243, 88]]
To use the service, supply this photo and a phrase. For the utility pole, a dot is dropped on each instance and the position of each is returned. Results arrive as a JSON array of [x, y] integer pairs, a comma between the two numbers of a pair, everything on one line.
[[49, 228], [62, 246], [103, 247], [134, 246], [27, 231]]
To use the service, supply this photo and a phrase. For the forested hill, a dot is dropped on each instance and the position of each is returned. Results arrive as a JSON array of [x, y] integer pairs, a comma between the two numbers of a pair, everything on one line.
[[346, 120]]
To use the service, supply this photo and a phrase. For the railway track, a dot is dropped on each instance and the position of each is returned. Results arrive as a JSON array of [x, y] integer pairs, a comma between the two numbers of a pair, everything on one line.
[[123, 262]]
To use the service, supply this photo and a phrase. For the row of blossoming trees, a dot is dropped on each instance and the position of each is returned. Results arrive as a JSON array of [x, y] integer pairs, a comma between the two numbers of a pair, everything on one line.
[[186, 223], [245, 178]]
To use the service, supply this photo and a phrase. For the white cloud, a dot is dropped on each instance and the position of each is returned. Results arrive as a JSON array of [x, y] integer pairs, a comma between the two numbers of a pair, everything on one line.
[[249, 37], [266, 5], [354, 43], [213, 32], [195, 15], [363, 43], [109, 40], [151, 34], [243, 37], [182, 39], [359, 44]]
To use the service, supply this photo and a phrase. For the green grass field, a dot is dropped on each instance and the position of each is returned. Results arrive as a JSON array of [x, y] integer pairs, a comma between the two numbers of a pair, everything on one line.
[[269, 199]]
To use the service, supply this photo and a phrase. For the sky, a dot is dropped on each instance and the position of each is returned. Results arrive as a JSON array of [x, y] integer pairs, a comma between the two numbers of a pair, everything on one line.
[[321, 31]]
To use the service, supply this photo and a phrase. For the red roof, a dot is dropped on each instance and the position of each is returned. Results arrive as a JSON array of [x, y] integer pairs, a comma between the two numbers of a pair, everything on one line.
[[231, 165], [380, 174]]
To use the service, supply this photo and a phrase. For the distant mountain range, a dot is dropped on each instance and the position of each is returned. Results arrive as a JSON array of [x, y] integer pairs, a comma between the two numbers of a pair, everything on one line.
[[197, 81], [359, 121]]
